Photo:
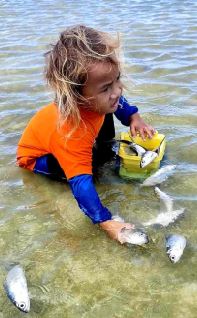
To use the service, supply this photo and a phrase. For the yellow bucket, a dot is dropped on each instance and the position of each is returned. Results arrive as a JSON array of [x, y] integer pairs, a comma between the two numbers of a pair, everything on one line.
[[130, 163]]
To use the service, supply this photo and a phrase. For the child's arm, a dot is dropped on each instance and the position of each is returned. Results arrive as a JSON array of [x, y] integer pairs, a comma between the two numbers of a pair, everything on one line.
[[129, 116], [75, 158], [88, 200]]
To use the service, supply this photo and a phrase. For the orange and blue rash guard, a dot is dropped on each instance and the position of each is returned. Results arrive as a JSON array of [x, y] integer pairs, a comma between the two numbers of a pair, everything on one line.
[[74, 155], [42, 136]]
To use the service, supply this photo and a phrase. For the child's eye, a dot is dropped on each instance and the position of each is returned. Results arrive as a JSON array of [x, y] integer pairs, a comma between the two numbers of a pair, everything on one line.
[[119, 76], [105, 89]]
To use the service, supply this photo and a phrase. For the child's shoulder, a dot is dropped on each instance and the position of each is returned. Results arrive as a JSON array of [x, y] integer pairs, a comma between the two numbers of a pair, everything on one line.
[[49, 108], [47, 115], [48, 111]]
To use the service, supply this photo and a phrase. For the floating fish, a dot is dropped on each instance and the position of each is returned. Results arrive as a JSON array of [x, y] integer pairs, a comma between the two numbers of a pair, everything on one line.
[[165, 218], [159, 176], [147, 158], [167, 200], [133, 236], [16, 288], [175, 245]]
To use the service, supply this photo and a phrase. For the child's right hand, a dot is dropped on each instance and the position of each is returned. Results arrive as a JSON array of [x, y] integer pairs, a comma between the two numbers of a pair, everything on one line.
[[113, 228]]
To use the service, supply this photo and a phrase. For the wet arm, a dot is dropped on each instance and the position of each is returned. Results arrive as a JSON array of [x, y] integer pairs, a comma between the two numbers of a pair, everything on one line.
[[85, 193], [87, 198]]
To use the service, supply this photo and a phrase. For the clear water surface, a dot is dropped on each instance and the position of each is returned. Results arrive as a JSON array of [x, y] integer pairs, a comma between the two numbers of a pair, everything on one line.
[[73, 269]]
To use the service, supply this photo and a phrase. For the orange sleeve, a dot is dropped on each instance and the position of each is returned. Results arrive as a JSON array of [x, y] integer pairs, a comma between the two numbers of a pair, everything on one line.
[[35, 140]]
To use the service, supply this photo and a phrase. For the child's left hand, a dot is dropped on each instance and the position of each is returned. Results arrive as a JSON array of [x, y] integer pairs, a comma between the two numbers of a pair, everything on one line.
[[137, 125]]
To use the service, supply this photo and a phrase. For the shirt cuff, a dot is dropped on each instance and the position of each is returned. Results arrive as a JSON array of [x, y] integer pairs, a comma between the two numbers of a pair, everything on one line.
[[125, 111]]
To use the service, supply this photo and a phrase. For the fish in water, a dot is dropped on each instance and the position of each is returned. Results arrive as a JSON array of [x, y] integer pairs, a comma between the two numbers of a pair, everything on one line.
[[175, 245], [159, 176], [133, 236], [15, 286], [167, 200], [165, 218], [117, 218], [147, 158]]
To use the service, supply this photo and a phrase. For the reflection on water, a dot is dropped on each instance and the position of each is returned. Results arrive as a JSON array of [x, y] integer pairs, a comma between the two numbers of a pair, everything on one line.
[[72, 268]]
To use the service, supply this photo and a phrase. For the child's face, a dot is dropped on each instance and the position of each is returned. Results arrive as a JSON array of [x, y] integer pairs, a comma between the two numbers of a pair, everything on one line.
[[103, 87]]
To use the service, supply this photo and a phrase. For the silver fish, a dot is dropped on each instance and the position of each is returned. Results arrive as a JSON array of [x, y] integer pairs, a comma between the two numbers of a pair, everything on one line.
[[134, 236], [165, 218], [167, 200], [15, 286], [139, 150], [147, 158], [175, 245], [159, 176]]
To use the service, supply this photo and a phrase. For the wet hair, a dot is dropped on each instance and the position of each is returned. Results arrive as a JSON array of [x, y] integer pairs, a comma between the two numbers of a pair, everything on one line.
[[67, 66]]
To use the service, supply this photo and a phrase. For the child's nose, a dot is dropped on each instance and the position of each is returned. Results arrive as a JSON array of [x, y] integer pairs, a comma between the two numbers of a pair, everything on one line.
[[117, 91]]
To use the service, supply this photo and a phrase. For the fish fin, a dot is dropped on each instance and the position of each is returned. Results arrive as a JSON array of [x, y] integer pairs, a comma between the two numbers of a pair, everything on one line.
[[166, 199]]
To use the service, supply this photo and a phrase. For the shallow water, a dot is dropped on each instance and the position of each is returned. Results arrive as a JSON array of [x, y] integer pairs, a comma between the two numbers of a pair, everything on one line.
[[72, 268]]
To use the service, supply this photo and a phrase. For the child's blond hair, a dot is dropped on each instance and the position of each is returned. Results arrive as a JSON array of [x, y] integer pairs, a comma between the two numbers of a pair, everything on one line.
[[67, 67]]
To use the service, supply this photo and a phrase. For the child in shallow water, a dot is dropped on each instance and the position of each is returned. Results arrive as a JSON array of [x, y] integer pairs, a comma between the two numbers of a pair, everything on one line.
[[83, 70]]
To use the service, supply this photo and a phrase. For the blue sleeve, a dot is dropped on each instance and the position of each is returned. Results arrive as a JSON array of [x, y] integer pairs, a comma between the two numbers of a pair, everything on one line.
[[88, 200], [124, 111]]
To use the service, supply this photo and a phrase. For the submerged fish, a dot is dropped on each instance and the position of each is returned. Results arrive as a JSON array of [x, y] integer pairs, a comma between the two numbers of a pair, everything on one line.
[[133, 236], [165, 218], [16, 288], [175, 245], [117, 218], [159, 176], [167, 200], [147, 158]]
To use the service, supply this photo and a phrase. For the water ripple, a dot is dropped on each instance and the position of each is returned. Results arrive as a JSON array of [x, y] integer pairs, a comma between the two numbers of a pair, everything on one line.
[[86, 274]]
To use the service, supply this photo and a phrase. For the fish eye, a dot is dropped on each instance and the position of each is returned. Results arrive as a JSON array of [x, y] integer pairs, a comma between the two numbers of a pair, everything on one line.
[[22, 305]]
